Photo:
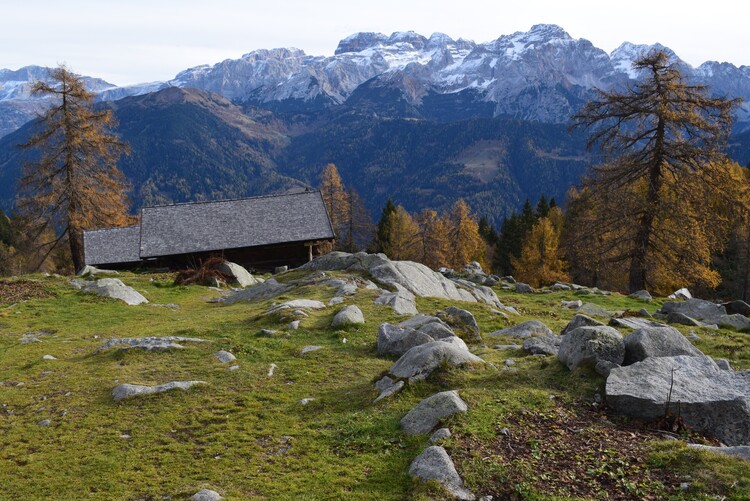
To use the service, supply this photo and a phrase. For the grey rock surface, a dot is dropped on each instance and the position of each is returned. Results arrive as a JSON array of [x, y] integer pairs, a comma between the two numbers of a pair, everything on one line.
[[394, 340], [580, 320], [542, 345], [135, 390], [435, 464], [309, 349], [676, 317], [635, 323], [388, 387], [524, 330], [114, 288], [294, 304], [402, 302], [586, 346], [89, 271], [737, 322], [708, 399], [465, 319], [523, 288], [439, 435], [266, 290], [428, 413], [237, 274], [662, 341], [737, 306], [643, 295], [421, 361], [697, 309], [740, 451], [224, 357], [206, 495], [148, 343], [593, 310], [350, 315]]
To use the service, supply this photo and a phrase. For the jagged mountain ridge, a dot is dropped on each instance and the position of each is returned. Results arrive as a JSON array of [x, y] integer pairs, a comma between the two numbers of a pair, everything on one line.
[[543, 74]]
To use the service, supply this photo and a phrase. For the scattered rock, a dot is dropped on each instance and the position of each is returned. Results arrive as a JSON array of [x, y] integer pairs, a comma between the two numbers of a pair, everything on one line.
[[233, 368], [635, 323], [310, 304], [738, 306], [580, 320], [225, 357], [207, 495], [706, 398], [586, 346], [737, 322], [542, 345], [89, 271], [393, 340], [266, 290], [697, 309], [335, 300], [509, 362], [134, 390], [509, 346], [683, 294], [429, 412], [559, 286], [271, 369], [387, 387], [294, 325], [114, 288], [593, 310], [237, 274], [266, 333], [661, 341], [466, 319], [308, 349], [523, 288], [419, 362], [723, 364], [435, 464], [740, 451], [44, 423], [402, 302], [432, 326], [571, 305], [643, 295], [682, 319], [523, 330], [280, 269], [49, 357], [306, 401], [350, 315], [439, 435], [148, 343]]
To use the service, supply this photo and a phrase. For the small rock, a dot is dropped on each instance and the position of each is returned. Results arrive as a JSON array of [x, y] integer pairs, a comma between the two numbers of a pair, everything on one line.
[[351, 315], [580, 320], [523, 288], [308, 349], [571, 305], [335, 300], [430, 411], [723, 364], [439, 435], [740, 451], [133, 390], [48, 357], [280, 269], [225, 357], [435, 464], [587, 346], [542, 345], [207, 495], [44, 422], [266, 333], [509, 362], [387, 387], [294, 325], [524, 330], [593, 310], [643, 295], [271, 369], [233, 368], [306, 401], [683, 294]]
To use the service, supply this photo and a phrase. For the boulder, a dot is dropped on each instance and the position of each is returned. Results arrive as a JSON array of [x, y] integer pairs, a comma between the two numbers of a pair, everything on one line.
[[740, 451], [697, 309], [580, 320], [737, 306], [559, 286], [309, 304], [682, 319], [421, 361], [89, 271], [643, 295], [542, 345], [435, 464], [387, 387], [432, 326], [737, 322], [429, 412], [224, 357], [683, 294], [571, 305], [439, 435], [466, 319], [402, 302], [393, 340], [635, 323], [707, 399], [135, 390], [587, 346], [593, 310], [477, 292], [148, 343], [206, 495], [350, 315], [236, 274], [309, 349], [114, 288], [523, 288], [661, 341], [523, 330], [266, 290]]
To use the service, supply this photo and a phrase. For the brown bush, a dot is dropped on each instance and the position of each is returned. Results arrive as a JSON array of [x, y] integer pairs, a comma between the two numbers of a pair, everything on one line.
[[205, 274]]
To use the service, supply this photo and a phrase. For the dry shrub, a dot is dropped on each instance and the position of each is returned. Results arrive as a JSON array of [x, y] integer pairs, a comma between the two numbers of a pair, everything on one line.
[[206, 274]]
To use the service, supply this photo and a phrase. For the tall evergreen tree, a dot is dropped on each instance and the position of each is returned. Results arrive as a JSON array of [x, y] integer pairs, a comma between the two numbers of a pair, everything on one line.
[[74, 184], [666, 169]]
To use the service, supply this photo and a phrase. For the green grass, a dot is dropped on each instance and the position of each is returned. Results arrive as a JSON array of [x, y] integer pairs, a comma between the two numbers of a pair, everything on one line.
[[244, 434]]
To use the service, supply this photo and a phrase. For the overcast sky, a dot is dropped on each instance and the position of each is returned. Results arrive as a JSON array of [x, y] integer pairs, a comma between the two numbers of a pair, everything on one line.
[[132, 41]]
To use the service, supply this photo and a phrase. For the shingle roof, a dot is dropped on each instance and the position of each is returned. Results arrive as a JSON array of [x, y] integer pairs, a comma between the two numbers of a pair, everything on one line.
[[112, 245], [231, 224]]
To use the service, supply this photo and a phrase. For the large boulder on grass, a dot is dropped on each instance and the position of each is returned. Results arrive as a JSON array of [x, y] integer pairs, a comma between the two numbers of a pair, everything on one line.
[[706, 398], [114, 288], [435, 464], [662, 341], [592, 346], [394, 340], [429, 412], [124, 391], [697, 309], [421, 361], [349, 315], [580, 320], [236, 274]]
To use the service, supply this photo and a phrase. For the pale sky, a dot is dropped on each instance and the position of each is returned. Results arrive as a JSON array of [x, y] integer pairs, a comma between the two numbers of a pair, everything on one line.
[[133, 41]]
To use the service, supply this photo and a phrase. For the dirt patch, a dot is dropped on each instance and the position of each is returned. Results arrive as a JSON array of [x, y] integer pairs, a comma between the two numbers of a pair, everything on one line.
[[14, 291], [570, 452]]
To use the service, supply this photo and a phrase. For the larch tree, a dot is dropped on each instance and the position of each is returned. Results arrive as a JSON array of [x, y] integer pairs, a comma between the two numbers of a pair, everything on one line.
[[336, 200], [403, 236], [540, 262], [466, 243], [74, 183], [665, 170], [434, 243], [358, 227], [382, 230]]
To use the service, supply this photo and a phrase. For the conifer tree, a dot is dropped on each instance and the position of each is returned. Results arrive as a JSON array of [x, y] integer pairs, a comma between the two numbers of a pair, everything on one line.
[[540, 262], [336, 200], [358, 227], [666, 167], [382, 233], [467, 243], [403, 243], [434, 233], [74, 183]]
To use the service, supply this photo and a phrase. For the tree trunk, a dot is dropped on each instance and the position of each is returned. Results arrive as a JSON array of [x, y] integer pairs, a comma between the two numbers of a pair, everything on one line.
[[75, 237]]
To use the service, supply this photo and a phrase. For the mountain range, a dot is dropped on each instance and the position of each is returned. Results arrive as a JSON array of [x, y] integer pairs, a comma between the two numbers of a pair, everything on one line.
[[423, 119]]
